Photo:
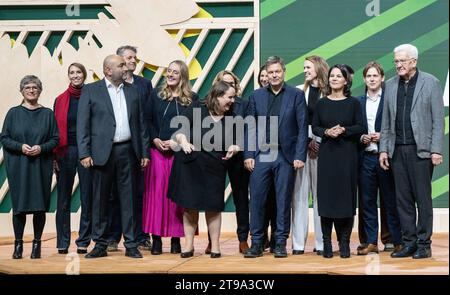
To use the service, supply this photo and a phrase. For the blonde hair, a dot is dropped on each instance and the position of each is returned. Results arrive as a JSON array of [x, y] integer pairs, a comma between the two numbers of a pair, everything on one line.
[[237, 82], [184, 88], [322, 68]]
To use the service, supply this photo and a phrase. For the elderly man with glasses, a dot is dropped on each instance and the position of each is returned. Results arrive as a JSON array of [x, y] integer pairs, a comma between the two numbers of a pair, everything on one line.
[[412, 135]]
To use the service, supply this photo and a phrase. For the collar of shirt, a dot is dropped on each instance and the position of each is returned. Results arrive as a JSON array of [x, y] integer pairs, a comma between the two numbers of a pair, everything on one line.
[[376, 97], [413, 79], [283, 87], [109, 85]]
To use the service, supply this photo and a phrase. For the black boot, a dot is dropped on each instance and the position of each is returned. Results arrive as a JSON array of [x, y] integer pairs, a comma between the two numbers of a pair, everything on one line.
[[344, 227], [344, 248], [157, 245], [327, 249], [36, 249], [18, 249], [327, 226], [175, 246]]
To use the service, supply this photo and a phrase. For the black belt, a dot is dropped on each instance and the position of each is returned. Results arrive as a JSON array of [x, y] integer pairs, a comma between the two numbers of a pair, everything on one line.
[[122, 142], [372, 152]]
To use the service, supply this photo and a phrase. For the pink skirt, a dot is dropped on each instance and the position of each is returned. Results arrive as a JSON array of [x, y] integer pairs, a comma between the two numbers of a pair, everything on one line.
[[160, 216]]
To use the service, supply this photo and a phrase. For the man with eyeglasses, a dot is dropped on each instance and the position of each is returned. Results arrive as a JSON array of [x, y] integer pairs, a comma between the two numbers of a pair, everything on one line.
[[412, 135]]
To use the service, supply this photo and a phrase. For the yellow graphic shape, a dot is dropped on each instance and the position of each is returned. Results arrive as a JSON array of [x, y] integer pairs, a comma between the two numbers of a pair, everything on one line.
[[192, 33], [194, 68]]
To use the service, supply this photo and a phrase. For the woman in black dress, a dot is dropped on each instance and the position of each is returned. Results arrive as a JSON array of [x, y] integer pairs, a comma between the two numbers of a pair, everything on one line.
[[28, 137], [67, 164], [237, 174], [197, 180], [338, 121]]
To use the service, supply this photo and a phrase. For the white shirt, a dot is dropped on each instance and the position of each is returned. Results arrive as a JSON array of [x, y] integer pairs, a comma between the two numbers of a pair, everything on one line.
[[117, 96], [372, 104]]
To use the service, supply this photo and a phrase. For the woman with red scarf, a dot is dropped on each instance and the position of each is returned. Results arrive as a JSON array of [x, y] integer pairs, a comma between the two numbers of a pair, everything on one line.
[[66, 165]]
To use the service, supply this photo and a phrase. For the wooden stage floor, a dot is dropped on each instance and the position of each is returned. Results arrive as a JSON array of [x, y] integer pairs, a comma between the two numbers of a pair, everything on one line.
[[231, 262]]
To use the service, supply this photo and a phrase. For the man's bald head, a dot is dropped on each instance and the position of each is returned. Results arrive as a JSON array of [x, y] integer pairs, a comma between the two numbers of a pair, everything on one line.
[[114, 68], [111, 60]]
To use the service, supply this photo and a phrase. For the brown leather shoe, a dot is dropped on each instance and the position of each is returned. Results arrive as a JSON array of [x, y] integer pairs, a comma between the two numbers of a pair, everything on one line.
[[362, 246], [371, 248], [243, 247]]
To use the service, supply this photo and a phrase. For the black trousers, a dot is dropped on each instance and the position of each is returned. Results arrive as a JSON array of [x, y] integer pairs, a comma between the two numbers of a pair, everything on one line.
[[343, 227], [120, 171], [69, 165], [115, 224], [239, 178], [412, 176]]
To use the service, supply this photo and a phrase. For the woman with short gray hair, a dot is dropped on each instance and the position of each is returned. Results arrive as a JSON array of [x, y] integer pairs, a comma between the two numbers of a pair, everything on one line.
[[28, 137]]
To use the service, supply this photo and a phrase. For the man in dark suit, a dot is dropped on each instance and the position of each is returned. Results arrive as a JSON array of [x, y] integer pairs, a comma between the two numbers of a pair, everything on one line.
[[275, 159], [145, 88], [112, 141], [412, 137], [373, 179]]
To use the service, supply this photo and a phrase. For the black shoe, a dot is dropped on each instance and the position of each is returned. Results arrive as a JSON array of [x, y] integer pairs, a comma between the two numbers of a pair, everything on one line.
[[255, 250], [145, 245], [319, 252], [63, 251], [280, 251], [81, 250], [215, 255], [133, 253], [422, 252], [36, 249], [187, 254], [175, 246], [298, 252], [344, 250], [157, 246], [18, 249], [97, 252], [407, 251], [327, 250]]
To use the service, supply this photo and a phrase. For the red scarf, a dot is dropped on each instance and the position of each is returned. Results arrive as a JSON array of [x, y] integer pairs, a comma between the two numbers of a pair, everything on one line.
[[61, 111]]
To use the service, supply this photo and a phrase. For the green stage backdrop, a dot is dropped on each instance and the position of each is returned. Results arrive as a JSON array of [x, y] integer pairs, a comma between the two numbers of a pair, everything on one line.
[[344, 31], [355, 32]]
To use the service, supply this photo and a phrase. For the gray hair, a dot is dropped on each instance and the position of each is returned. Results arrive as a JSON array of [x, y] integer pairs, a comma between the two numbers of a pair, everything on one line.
[[275, 60], [121, 50], [411, 50], [30, 79]]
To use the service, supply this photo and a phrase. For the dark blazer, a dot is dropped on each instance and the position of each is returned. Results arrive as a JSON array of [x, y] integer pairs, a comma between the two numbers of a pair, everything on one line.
[[144, 87], [240, 107], [362, 100], [379, 116], [96, 124], [292, 122]]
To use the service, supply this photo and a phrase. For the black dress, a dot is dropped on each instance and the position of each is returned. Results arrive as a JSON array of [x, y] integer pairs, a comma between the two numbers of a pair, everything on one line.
[[197, 180], [29, 178], [337, 172]]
